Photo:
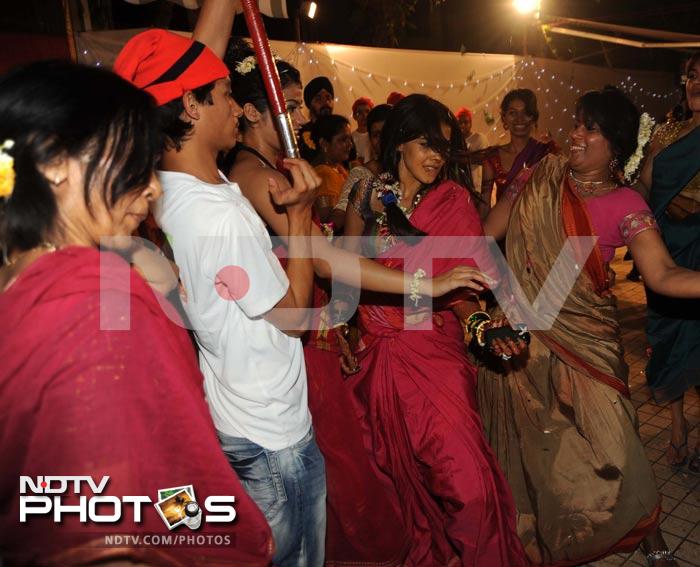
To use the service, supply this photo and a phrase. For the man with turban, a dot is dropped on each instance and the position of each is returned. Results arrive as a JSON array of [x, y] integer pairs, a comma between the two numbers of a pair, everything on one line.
[[319, 98]]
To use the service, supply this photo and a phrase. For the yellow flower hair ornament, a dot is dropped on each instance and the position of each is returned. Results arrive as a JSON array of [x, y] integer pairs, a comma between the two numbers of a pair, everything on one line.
[[7, 169]]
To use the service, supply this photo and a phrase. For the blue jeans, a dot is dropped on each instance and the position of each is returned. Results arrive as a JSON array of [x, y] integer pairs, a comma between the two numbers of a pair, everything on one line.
[[289, 487]]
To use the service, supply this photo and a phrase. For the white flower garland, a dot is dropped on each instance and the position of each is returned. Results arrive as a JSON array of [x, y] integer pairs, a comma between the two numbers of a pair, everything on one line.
[[646, 126], [249, 63]]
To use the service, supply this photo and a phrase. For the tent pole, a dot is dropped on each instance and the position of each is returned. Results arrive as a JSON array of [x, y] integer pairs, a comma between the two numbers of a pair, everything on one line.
[[70, 32]]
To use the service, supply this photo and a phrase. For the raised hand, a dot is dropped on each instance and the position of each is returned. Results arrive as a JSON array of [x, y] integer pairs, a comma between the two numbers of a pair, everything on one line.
[[302, 193]]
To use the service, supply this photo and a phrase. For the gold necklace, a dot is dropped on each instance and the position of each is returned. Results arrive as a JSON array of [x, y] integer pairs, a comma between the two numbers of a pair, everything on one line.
[[48, 246], [588, 188]]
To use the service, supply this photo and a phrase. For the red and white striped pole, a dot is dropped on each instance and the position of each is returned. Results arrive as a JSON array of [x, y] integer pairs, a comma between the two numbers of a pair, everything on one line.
[[271, 78]]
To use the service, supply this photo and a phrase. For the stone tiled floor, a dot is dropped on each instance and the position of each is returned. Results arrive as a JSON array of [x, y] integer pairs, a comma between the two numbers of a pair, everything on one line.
[[680, 489]]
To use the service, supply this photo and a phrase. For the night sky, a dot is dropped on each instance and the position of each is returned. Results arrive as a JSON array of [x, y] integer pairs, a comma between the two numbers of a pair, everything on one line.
[[469, 25]]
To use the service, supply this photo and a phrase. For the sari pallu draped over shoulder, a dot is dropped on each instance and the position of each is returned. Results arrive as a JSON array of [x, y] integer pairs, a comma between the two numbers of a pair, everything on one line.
[[416, 395], [559, 418], [128, 404]]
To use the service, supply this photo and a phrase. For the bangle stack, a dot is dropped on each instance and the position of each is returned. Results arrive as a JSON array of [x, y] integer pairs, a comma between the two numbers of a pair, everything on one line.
[[476, 326], [415, 285]]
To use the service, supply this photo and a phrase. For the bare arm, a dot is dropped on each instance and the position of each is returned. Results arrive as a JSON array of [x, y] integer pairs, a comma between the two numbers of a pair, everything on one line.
[[342, 264], [297, 202], [496, 223], [660, 272], [354, 229], [214, 24], [487, 177]]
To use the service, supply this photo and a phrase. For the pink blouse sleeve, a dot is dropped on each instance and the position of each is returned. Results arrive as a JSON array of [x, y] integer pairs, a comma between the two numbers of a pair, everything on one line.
[[637, 222], [640, 219]]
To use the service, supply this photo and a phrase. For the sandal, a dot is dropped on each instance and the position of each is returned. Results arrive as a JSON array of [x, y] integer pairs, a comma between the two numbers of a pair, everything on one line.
[[677, 455], [655, 556]]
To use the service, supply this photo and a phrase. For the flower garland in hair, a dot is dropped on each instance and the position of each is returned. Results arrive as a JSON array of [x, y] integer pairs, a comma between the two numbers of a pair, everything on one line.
[[246, 65], [7, 169], [646, 126]]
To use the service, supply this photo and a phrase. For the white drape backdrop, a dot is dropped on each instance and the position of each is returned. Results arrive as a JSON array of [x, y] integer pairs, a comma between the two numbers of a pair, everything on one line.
[[477, 81]]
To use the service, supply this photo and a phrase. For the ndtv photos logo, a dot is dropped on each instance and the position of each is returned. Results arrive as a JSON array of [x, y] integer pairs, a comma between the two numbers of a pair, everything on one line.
[[44, 496]]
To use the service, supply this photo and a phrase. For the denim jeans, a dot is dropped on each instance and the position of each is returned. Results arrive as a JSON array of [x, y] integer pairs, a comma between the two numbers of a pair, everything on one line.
[[289, 487]]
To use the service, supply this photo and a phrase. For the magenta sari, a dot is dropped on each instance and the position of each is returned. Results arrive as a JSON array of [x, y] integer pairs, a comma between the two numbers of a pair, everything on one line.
[[416, 393], [77, 400]]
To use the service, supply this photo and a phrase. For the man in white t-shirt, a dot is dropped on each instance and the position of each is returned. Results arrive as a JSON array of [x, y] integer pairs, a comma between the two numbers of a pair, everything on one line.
[[360, 137], [237, 291]]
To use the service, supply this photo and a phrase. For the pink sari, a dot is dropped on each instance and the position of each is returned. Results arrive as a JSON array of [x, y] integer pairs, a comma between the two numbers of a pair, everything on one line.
[[76, 400], [416, 393]]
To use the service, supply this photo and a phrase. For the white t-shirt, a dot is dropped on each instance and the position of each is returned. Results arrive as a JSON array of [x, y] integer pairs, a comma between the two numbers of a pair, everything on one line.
[[254, 374], [362, 145]]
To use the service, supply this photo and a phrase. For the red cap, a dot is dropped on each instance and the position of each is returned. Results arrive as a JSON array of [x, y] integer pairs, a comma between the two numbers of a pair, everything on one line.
[[394, 98], [464, 111], [360, 101], [167, 65]]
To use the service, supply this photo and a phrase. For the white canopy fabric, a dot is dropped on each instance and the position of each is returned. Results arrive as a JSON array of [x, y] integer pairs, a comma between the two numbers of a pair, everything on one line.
[[477, 81]]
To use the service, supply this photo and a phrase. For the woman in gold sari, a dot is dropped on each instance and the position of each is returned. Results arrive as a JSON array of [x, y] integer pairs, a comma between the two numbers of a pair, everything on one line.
[[559, 416]]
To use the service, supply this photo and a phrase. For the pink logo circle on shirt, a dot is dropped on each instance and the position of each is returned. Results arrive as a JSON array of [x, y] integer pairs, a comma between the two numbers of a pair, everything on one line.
[[232, 282]]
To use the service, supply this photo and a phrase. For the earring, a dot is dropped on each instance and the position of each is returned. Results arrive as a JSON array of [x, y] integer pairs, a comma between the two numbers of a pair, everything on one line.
[[613, 165]]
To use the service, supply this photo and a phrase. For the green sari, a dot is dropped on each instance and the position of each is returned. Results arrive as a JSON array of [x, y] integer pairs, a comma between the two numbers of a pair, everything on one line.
[[673, 325]]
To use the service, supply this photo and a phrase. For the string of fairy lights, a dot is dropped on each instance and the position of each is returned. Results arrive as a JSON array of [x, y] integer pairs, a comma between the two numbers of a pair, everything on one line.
[[494, 83]]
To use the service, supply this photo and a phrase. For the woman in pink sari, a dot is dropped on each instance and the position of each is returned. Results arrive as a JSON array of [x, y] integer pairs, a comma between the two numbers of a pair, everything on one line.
[[96, 380], [364, 526], [416, 390]]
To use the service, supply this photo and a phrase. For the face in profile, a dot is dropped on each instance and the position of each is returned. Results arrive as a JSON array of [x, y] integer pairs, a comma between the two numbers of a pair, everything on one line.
[[220, 118], [517, 120], [293, 98], [419, 162], [89, 224], [322, 104]]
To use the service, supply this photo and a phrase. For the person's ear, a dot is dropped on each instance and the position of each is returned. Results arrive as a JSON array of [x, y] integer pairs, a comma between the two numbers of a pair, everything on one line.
[[56, 173], [252, 114], [190, 105]]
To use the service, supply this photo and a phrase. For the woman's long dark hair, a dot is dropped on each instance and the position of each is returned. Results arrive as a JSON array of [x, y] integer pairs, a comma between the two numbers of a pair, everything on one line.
[[56, 109], [414, 117], [248, 88]]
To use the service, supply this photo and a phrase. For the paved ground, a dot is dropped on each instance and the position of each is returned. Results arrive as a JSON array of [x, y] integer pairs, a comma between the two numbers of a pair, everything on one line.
[[680, 489]]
